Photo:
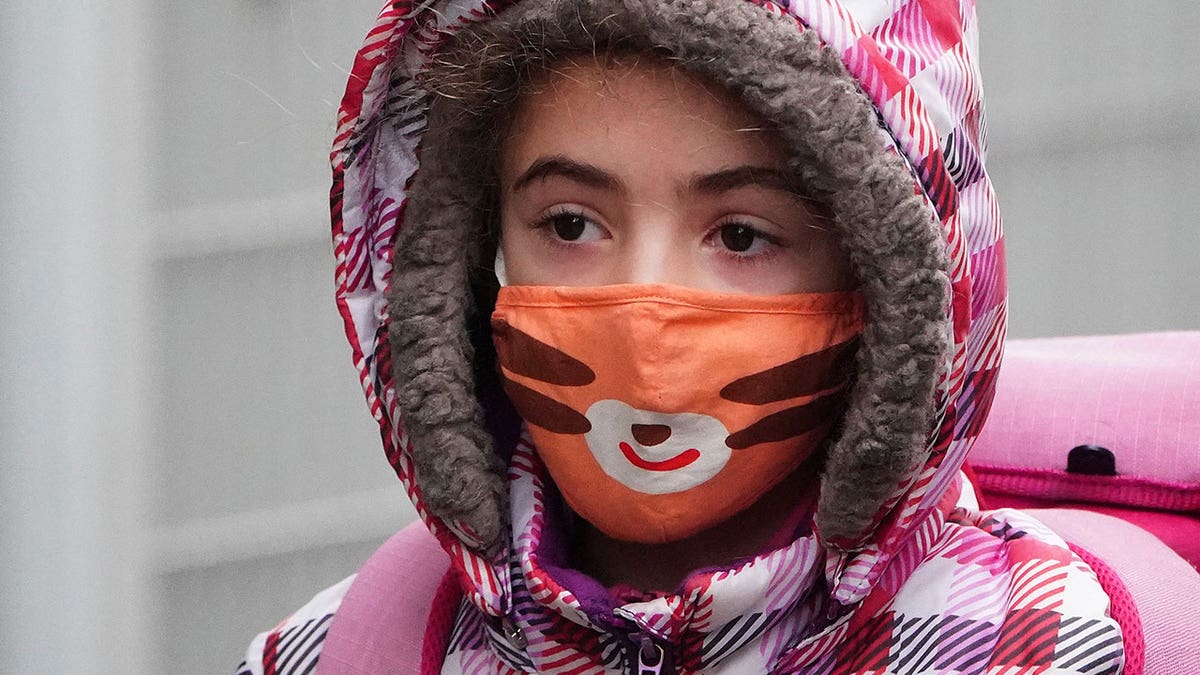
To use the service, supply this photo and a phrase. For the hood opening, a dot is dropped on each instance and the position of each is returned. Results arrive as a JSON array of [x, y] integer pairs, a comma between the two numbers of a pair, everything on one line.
[[460, 424], [500, 418]]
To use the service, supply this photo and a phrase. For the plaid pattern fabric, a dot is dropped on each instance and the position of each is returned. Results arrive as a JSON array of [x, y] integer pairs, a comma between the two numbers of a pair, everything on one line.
[[294, 646], [969, 593], [939, 588]]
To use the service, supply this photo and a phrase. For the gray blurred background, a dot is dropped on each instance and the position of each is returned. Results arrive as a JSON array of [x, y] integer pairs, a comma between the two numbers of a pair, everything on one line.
[[185, 455]]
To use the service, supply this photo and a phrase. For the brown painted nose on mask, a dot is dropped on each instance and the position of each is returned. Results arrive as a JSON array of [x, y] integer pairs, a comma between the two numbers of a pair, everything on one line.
[[650, 434]]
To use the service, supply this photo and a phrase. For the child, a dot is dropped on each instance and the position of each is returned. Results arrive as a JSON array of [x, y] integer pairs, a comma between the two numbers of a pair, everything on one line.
[[679, 319]]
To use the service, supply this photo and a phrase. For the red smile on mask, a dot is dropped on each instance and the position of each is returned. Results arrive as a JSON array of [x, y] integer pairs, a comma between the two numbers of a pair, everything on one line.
[[677, 462]]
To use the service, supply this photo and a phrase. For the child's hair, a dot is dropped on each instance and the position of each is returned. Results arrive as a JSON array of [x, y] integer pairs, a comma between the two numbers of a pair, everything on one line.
[[476, 83]]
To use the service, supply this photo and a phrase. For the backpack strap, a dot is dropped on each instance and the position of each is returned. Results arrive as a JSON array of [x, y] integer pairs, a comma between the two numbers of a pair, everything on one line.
[[397, 615], [1151, 589]]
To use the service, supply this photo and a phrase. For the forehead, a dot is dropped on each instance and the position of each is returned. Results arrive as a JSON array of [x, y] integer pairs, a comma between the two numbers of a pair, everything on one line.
[[650, 78], [635, 106]]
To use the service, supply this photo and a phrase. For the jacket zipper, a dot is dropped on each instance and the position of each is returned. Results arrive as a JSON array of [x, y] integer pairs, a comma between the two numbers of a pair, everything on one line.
[[651, 657]]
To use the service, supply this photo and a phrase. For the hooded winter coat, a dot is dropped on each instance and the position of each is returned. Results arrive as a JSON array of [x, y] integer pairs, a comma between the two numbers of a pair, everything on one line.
[[879, 104]]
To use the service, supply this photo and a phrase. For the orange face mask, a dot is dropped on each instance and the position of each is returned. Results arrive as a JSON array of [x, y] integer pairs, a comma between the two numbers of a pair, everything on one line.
[[660, 411]]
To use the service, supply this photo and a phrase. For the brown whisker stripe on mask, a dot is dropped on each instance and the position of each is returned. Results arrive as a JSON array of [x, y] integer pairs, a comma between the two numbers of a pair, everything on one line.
[[805, 376], [544, 411], [789, 423], [532, 358]]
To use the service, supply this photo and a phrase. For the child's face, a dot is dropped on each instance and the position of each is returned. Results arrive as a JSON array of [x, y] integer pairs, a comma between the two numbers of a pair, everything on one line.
[[641, 173]]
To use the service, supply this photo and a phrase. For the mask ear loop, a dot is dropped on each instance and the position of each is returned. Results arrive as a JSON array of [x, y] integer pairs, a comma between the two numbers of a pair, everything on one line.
[[498, 266]]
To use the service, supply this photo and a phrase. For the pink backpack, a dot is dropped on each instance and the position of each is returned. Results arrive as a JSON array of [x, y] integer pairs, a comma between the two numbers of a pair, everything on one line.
[[1107, 423], [1108, 427], [397, 615]]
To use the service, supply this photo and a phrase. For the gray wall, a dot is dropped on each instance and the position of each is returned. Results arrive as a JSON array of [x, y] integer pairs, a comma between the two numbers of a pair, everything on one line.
[[269, 481], [1095, 154]]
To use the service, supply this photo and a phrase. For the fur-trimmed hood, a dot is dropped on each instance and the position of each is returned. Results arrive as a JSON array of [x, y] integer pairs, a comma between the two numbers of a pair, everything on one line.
[[880, 105]]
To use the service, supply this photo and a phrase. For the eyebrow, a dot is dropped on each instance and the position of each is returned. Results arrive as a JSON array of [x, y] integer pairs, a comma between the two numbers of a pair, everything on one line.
[[743, 176], [709, 183], [580, 172]]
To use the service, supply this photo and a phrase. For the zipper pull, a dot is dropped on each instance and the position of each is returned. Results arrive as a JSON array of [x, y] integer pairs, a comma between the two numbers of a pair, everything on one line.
[[514, 634], [833, 611], [651, 658]]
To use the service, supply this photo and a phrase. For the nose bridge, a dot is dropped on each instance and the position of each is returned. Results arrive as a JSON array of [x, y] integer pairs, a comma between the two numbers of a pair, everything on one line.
[[656, 251]]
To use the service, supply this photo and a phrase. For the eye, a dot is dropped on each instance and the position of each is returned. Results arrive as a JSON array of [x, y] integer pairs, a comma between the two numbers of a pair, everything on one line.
[[738, 238], [741, 240], [568, 226]]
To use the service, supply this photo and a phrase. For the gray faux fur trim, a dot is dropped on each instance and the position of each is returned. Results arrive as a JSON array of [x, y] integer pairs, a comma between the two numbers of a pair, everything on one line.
[[831, 130], [428, 304]]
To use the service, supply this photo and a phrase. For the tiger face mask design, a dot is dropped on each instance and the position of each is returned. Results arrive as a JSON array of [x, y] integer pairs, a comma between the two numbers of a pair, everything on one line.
[[660, 411]]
